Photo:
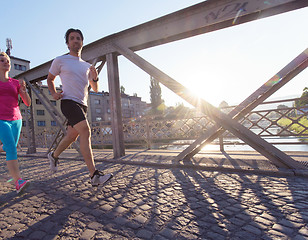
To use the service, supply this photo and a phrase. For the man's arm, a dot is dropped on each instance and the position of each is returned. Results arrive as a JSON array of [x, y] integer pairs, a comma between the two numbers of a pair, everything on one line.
[[51, 86], [93, 79]]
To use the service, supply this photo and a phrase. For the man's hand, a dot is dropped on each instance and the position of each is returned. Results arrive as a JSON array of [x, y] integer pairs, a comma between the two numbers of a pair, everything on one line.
[[57, 95], [93, 73]]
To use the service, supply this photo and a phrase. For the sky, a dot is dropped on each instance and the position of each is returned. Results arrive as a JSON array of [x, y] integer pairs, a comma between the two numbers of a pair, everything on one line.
[[225, 65]]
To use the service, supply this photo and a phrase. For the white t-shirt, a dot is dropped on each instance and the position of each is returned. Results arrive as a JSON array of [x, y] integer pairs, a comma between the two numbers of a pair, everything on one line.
[[74, 73]]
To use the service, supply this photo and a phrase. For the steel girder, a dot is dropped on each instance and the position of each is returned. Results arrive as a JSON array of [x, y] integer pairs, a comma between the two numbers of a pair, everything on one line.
[[276, 156], [285, 75], [201, 18], [198, 19]]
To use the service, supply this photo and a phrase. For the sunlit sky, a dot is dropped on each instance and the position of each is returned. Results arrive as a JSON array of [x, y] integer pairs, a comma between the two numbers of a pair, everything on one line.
[[225, 65]]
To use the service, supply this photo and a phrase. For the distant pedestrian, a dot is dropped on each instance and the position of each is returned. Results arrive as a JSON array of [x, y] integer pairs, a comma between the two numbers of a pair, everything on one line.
[[11, 119], [75, 75]]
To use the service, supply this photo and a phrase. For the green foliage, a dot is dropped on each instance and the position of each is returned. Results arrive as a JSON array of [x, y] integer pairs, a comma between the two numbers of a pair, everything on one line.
[[179, 111], [304, 98], [294, 127]]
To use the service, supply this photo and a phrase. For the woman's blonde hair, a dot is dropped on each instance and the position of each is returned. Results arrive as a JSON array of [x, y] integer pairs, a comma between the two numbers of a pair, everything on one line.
[[5, 55]]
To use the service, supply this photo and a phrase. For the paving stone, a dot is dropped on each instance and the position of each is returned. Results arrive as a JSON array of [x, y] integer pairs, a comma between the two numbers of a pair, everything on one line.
[[283, 229], [253, 230], [87, 234], [95, 225], [121, 220], [304, 231], [144, 234], [141, 219], [37, 235], [168, 233], [152, 203]]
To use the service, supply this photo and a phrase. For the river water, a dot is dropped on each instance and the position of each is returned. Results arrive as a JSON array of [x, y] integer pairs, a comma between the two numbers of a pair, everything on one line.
[[292, 146]]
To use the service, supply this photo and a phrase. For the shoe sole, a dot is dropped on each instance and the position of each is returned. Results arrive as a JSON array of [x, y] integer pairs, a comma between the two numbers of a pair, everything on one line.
[[24, 187], [111, 176], [51, 163]]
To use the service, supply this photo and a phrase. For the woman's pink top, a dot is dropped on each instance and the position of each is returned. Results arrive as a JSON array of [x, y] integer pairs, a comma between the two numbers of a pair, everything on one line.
[[9, 109]]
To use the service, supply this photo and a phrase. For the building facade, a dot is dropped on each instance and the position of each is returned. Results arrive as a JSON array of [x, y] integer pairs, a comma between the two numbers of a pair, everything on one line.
[[99, 106], [18, 66], [41, 117]]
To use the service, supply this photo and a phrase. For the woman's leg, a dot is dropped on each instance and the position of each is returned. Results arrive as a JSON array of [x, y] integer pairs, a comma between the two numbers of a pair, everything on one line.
[[9, 135], [13, 167]]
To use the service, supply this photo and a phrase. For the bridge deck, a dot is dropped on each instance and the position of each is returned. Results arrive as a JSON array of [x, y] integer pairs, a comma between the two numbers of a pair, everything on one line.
[[232, 161]]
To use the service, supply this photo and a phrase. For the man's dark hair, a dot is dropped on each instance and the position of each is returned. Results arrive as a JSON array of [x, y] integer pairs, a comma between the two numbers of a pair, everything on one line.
[[68, 32]]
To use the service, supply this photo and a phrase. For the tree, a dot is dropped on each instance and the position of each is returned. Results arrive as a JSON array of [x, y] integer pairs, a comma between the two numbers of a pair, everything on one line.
[[282, 108], [157, 103], [122, 89], [179, 111], [303, 100]]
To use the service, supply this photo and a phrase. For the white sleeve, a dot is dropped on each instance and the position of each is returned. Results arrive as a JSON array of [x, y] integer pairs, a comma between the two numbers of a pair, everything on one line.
[[55, 67]]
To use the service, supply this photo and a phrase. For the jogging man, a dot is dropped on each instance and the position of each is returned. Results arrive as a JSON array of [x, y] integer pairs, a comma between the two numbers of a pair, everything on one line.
[[75, 75]]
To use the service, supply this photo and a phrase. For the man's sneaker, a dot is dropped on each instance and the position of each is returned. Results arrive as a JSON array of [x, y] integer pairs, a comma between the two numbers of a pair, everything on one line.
[[99, 178], [53, 162], [21, 185]]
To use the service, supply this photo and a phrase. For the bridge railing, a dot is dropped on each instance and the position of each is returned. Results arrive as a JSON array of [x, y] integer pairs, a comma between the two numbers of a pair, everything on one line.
[[280, 120]]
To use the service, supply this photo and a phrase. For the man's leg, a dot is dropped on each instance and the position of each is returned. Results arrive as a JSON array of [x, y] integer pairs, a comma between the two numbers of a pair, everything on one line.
[[69, 138], [84, 131]]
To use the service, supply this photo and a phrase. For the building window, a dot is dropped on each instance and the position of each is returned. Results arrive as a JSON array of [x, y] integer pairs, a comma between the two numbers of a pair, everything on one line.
[[53, 102], [37, 101], [41, 123], [20, 67], [24, 123], [108, 110], [98, 110], [98, 119], [97, 101], [53, 123], [40, 112]]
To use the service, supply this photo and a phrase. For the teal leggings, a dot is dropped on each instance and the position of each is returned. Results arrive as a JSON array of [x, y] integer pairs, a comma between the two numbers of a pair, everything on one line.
[[9, 136]]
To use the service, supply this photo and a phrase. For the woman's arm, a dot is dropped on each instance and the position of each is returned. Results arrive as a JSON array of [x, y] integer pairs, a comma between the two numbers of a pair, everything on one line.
[[23, 93]]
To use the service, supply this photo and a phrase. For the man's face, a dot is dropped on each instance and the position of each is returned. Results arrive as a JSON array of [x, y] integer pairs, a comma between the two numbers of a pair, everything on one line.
[[5, 64], [74, 42]]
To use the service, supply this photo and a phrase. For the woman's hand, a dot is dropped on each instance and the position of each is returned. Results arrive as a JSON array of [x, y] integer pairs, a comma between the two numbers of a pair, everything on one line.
[[22, 84], [23, 93]]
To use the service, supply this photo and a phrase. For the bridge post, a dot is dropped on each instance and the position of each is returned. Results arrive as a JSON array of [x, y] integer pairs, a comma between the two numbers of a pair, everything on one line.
[[30, 126], [115, 106]]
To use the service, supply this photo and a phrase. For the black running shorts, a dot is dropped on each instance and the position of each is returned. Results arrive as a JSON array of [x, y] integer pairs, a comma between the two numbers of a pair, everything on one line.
[[73, 111]]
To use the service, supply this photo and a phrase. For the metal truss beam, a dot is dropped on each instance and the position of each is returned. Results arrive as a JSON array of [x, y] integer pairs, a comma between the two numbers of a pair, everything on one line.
[[198, 19], [276, 156], [210, 15], [286, 74]]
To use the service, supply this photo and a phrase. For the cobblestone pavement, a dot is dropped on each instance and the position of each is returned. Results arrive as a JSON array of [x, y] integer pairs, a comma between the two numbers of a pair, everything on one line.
[[143, 202]]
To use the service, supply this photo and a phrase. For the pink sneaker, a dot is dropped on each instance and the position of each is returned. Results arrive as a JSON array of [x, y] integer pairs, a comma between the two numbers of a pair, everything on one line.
[[21, 185]]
